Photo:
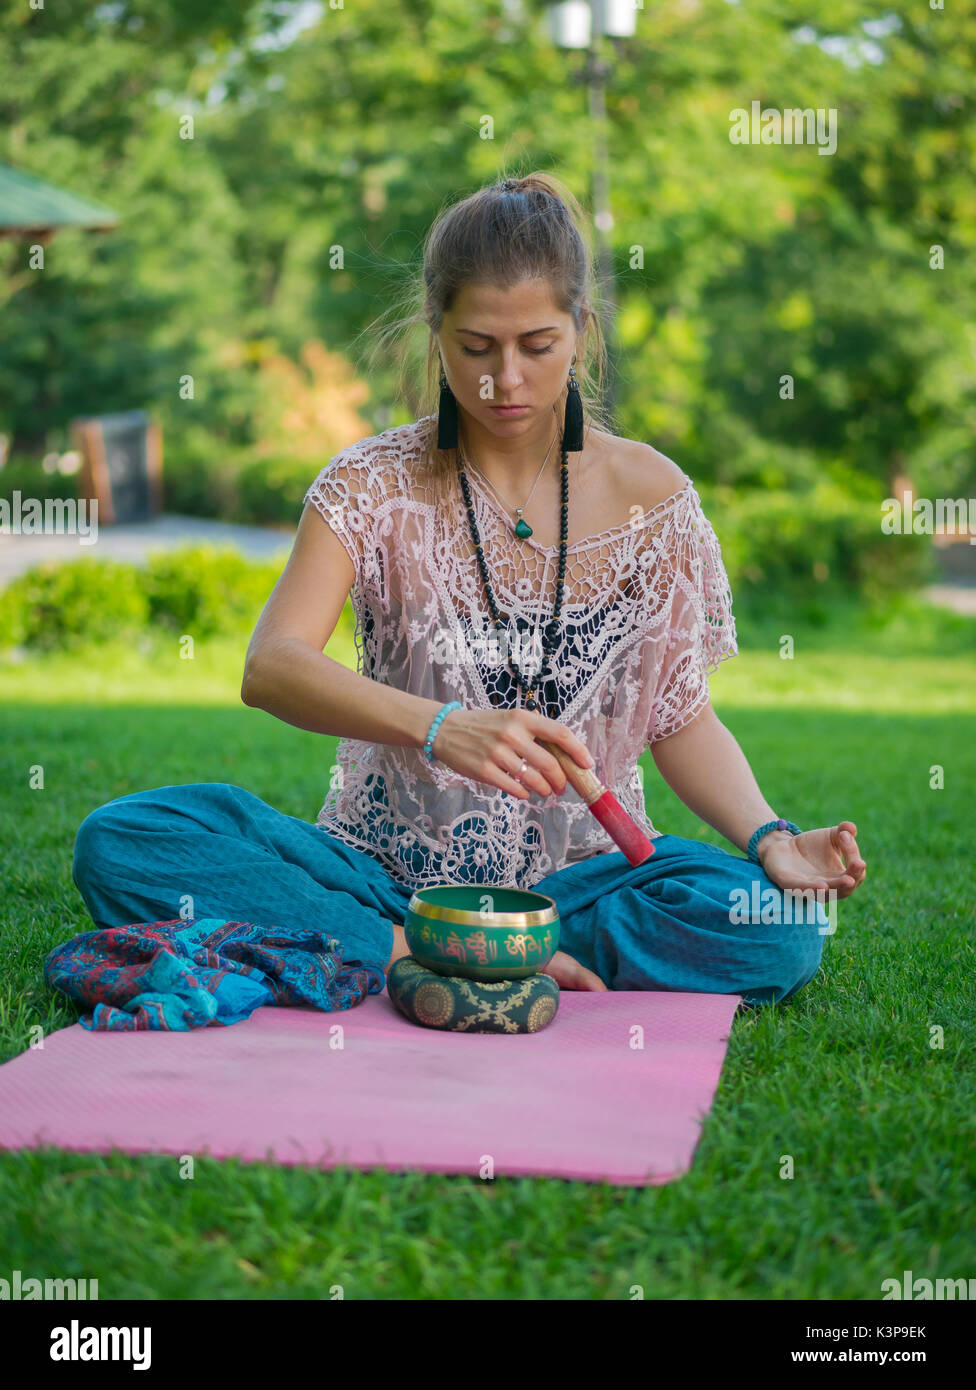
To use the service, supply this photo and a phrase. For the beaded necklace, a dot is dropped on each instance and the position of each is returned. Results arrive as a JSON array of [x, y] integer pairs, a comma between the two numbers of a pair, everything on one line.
[[552, 628]]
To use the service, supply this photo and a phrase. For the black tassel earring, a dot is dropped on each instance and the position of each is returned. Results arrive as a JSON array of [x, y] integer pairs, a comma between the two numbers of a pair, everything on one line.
[[573, 426], [447, 416]]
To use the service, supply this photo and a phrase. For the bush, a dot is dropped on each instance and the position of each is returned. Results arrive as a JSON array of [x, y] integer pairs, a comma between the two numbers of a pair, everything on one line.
[[805, 549], [249, 491], [202, 590], [63, 606], [199, 590], [199, 475], [272, 490]]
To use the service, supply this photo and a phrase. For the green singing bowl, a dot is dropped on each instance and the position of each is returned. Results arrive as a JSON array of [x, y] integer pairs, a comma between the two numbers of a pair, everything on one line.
[[480, 932]]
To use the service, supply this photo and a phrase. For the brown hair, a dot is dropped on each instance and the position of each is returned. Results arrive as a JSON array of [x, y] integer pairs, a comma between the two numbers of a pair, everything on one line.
[[500, 235]]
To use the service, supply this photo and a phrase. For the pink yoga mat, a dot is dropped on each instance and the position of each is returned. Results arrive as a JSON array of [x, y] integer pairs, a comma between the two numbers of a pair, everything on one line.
[[575, 1100]]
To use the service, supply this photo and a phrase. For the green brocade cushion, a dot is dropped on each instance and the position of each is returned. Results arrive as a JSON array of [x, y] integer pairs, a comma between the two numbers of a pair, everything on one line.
[[471, 1006]]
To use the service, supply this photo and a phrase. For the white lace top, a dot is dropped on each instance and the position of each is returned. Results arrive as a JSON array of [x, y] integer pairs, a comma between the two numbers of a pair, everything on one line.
[[646, 615]]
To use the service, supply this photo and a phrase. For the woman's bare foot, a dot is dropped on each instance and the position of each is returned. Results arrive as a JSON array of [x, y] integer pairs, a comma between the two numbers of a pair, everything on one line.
[[400, 947], [569, 974]]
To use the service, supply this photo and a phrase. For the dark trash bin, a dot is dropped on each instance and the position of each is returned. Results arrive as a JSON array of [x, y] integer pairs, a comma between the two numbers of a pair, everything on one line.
[[122, 465]]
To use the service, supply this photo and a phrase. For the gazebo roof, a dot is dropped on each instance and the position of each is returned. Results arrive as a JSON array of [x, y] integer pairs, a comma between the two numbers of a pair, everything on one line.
[[29, 206]]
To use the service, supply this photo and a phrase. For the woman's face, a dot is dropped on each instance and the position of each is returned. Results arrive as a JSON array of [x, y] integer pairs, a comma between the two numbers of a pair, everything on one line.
[[507, 347]]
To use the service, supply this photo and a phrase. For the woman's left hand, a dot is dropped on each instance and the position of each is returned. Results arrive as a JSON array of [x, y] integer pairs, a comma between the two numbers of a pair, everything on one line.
[[818, 859]]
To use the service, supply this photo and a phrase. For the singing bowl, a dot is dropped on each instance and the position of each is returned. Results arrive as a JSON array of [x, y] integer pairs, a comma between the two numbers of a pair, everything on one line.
[[481, 933]]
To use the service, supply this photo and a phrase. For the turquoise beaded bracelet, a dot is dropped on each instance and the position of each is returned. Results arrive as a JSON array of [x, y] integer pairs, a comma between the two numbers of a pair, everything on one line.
[[757, 835], [432, 731]]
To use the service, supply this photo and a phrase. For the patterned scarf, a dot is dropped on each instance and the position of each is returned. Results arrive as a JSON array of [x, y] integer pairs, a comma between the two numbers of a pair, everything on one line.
[[202, 972]]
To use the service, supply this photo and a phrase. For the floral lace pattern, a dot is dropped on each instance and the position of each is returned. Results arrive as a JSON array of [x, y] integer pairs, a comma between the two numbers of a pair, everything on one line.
[[646, 616]]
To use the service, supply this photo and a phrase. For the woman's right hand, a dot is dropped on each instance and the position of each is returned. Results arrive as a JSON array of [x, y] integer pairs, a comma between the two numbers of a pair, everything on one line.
[[489, 745]]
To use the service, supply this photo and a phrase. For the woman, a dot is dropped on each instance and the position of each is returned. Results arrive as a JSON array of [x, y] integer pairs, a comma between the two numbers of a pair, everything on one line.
[[517, 573]]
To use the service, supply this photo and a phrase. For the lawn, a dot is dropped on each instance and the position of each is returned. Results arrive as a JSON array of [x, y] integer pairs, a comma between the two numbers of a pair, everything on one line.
[[844, 1078]]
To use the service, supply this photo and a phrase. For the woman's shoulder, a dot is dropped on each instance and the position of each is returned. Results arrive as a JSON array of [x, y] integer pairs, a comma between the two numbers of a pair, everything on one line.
[[376, 464], [642, 474], [399, 443]]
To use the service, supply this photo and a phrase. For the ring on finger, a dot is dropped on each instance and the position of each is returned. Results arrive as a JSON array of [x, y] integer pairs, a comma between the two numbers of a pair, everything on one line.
[[521, 772]]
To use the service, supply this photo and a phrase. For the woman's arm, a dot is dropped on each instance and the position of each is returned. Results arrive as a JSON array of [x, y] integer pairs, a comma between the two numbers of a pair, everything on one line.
[[286, 671], [704, 766], [294, 682], [701, 761]]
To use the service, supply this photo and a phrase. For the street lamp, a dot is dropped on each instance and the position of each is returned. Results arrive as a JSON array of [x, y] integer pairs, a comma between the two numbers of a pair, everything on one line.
[[570, 24], [580, 24]]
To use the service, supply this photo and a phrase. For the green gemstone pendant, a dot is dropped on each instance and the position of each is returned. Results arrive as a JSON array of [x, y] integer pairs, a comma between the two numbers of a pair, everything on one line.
[[523, 529]]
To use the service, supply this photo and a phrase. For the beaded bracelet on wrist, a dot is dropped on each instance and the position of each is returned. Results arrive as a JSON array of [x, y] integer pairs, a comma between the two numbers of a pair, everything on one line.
[[757, 835], [432, 731]]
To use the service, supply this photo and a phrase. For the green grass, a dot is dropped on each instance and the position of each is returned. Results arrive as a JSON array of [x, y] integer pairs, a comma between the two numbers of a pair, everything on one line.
[[843, 1078]]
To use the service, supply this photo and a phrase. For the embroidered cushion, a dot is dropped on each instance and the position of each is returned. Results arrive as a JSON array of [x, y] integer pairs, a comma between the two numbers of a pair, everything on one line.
[[471, 1006]]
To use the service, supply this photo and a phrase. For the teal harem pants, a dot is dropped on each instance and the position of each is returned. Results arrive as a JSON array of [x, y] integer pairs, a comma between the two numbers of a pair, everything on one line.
[[212, 849]]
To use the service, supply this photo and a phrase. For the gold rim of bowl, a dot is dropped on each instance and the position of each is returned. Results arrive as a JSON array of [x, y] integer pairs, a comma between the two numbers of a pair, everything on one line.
[[435, 912]]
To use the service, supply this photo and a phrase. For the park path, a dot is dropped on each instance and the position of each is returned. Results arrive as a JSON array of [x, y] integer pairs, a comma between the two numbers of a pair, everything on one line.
[[960, 598]]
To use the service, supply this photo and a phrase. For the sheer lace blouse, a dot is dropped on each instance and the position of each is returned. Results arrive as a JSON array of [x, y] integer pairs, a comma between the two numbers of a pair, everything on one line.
[[646, 616]]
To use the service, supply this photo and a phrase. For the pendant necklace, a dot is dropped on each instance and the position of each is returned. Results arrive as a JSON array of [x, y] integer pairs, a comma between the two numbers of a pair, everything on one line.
[[522, 529], [551, 631]]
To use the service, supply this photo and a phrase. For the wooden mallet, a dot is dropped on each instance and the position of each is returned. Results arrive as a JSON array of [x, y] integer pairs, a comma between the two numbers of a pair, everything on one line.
[[627, 836]]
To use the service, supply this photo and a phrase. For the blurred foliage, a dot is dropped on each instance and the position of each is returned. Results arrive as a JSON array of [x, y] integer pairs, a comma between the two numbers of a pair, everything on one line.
[[250, 253], [197, 590], [807, 551], [299, 411], [60, 607], [204, 590], [30, 478]]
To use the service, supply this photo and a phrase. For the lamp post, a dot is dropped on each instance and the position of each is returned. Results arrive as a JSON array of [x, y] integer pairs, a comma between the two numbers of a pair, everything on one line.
[[580, 24]]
